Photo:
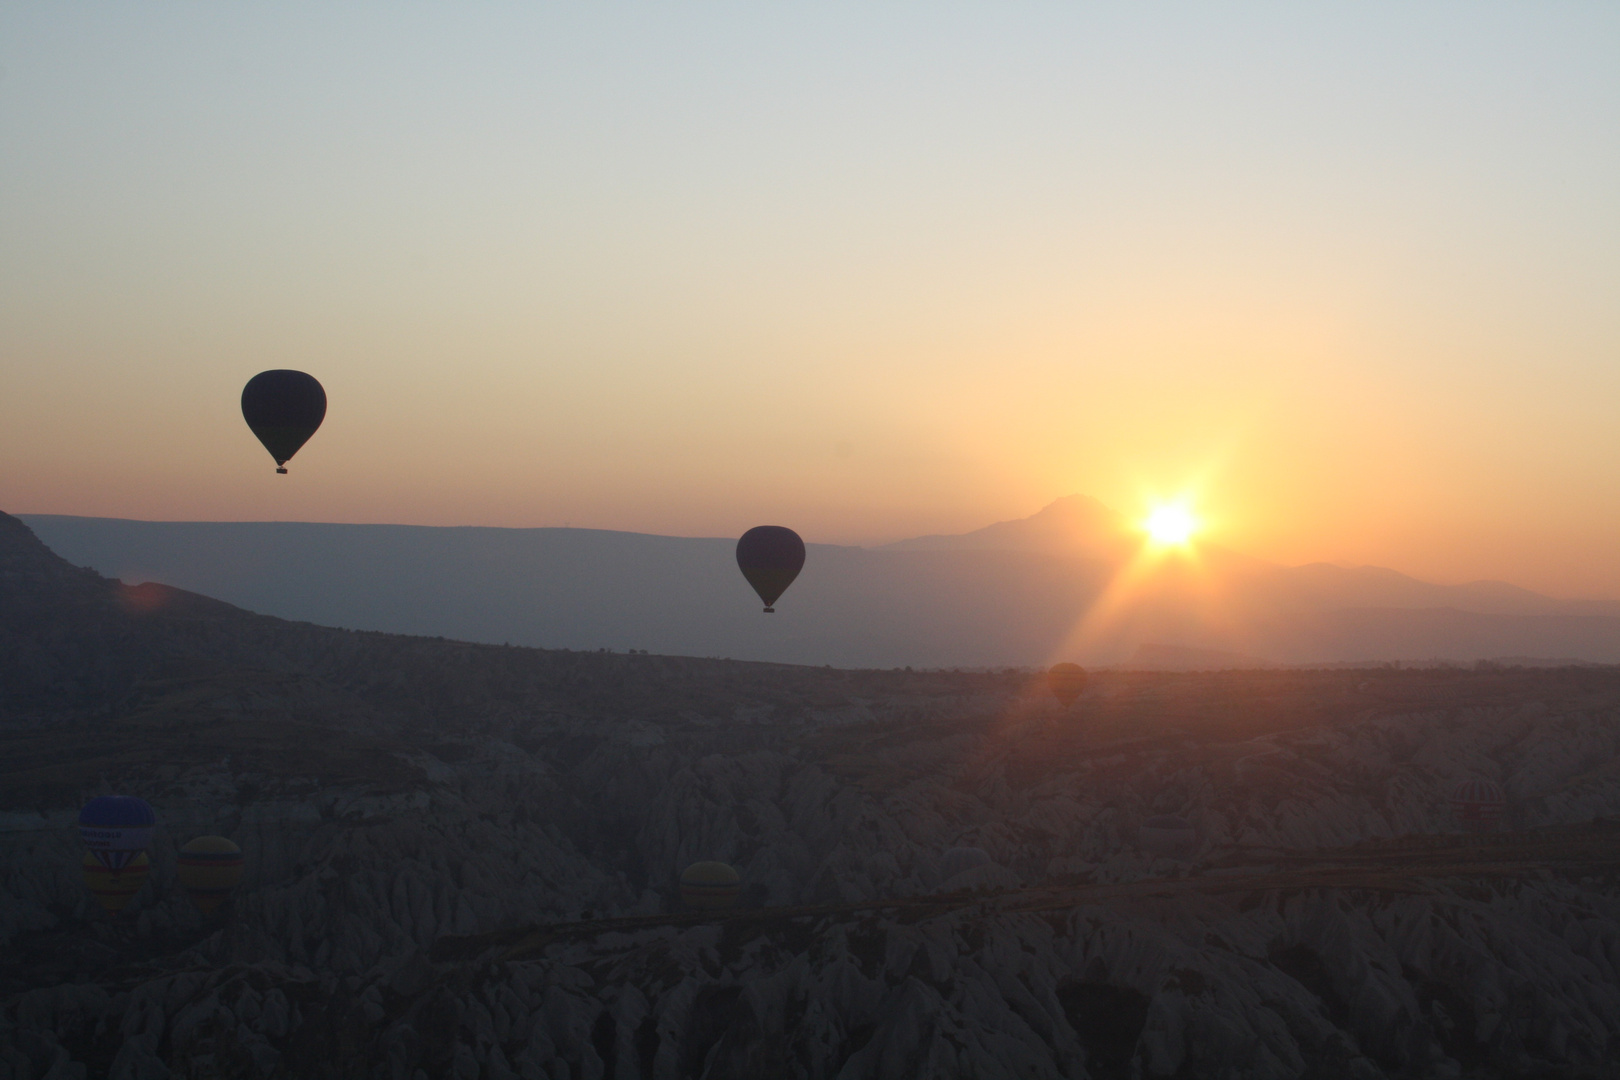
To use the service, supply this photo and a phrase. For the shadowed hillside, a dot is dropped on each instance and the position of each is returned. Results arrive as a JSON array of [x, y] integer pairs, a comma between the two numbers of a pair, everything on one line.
[[461, 861]]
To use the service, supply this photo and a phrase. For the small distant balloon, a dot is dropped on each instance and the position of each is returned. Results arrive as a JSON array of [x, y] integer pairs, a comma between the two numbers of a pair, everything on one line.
[[770, 557], [283, 408], [114, 889], [1477, 805], [1172, 837], [1066, 681], [116, 828], [710, 886], [210, 869]]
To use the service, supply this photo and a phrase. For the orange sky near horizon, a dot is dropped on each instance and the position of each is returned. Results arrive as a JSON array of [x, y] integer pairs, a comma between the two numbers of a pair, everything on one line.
[[1347, 277]]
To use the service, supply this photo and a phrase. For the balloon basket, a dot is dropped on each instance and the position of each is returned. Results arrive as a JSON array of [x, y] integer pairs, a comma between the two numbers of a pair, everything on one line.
[[282, 471]]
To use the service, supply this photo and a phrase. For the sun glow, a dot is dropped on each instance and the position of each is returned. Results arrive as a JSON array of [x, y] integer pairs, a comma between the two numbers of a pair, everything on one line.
[[1170, 525]]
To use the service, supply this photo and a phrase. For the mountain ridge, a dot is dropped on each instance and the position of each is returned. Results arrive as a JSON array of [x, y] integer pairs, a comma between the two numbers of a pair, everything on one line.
[[1019, 592]]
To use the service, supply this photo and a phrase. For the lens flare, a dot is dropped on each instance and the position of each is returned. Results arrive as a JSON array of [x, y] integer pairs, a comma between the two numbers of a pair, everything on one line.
[[1170, 525]]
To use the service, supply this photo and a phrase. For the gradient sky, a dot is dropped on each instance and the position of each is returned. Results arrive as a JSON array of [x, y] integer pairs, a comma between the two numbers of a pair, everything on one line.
[[1351, 273]]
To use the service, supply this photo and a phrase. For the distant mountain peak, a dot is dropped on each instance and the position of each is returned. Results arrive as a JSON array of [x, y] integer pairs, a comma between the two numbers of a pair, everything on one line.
[[1074, 525]]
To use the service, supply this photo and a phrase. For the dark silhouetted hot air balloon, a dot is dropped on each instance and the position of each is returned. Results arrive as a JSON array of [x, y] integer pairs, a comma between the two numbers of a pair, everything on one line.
[[959, 860], [710, 886], [770, 557], [283, 408], [1172, 837], [1477, 805], [210, 868], [116, 828], [1066, 681], [115, 888]]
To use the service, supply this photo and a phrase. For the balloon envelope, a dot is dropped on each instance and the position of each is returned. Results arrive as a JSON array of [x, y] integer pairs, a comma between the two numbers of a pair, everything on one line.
[[770, 557], [1173, 837], [1477, 805], [283, 408], [115, 828], [115, 888], [710, 886], [1066, 681], [210, 868]]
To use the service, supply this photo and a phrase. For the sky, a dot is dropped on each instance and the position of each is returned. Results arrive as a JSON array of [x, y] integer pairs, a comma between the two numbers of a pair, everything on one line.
[[1343, 275]]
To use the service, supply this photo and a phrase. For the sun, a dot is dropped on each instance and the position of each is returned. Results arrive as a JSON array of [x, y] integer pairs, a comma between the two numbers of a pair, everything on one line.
[[1171, 525]]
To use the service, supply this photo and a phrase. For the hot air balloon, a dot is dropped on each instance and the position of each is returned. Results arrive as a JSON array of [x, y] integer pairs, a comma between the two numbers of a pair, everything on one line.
[[115, 888], [116, 828], [210, 868], [770, 557], [1066, 681], [1172, 837], [283, 408], [959, 860], [710, 886], [1477, 805]]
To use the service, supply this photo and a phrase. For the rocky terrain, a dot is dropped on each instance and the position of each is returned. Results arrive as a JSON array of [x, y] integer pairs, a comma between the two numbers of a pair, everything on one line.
[[461, 861]]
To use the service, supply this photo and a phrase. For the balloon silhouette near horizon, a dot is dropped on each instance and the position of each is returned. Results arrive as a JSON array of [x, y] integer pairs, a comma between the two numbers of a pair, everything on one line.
[[283, 408], [210, 869], [1066, 681], [1477, 805], [710, 886], [770, 557]]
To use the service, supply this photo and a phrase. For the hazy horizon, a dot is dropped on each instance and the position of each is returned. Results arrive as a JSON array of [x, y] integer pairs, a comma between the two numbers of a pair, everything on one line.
[[1030, 592], [1345, 277], [877, 544]]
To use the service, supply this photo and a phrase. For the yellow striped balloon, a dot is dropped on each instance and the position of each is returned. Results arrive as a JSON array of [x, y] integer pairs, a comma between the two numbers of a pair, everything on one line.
[[710, 886], [210, 868], [113, 889]]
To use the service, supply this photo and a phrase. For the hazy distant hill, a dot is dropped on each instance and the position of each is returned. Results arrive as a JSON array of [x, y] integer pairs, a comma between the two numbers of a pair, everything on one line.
[[1073, 527], [1083, 528], [1011, 593], [1154, 657]]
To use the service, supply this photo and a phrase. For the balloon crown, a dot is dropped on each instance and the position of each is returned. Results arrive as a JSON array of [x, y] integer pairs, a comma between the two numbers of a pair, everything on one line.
[[117, 811]]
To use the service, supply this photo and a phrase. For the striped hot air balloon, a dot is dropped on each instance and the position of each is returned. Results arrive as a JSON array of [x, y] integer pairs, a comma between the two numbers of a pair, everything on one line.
[[710, 886], [210, 869], [1477, 805], [1066, 681], [113, 889], [116, 828]]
